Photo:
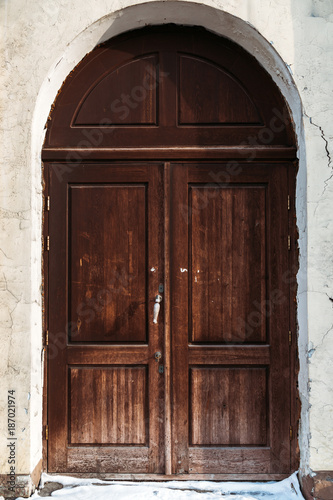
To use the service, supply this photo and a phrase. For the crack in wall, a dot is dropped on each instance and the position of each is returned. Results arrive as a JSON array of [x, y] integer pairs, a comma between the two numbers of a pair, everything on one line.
[[322, 134]]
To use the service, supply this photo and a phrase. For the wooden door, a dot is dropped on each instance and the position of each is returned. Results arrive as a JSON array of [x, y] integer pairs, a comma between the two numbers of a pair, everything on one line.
[[209, 232], [229, 303], [228, 341], [105, 262]]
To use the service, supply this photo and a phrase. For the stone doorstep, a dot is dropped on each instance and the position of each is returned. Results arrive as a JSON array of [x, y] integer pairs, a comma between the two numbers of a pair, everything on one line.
[[318, 487], [49, 488]]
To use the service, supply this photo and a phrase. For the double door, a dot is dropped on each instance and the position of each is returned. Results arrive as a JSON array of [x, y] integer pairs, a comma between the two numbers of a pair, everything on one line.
[[203, 390]]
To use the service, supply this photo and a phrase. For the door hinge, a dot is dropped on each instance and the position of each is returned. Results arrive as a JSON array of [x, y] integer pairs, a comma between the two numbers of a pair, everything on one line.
[[289, 242], [47, 337], [290, 432], [47, 203], [47, 243], [290, 337], [288, 202], [46, 432]]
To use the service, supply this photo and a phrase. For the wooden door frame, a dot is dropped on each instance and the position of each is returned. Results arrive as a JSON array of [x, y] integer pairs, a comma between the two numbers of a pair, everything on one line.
[[293, 267]]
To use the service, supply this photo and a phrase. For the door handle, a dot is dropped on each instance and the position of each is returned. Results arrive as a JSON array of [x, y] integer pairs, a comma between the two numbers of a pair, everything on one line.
[[157, 307]]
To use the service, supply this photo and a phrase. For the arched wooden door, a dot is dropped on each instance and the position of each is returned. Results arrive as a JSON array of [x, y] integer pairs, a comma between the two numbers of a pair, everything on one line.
[[169, 172]]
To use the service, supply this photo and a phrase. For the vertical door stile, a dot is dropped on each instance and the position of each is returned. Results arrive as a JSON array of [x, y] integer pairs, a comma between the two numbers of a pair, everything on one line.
[[155, 331], [167, 325], [179, 311]]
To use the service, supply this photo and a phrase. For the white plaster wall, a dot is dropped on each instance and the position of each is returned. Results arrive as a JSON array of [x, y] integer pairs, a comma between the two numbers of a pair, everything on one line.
[[42, 40]]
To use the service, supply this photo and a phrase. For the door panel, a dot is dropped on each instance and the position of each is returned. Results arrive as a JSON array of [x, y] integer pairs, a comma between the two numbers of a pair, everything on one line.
[[108, 405], [221, 411], [105, 390], [108, 262], [231, 410], [228, 262]]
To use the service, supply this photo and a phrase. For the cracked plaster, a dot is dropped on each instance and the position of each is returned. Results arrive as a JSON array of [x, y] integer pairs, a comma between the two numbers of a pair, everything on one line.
[[42, 42]]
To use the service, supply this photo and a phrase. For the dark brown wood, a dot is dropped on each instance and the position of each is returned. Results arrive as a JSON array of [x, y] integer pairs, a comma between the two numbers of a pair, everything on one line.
[[108, 405], [245, 402], [108, 262], [167, 321], [108, 394], [211, 225], [104, 354], [228, 406], [45, 308], [137, 80], [205, 100], [227, 267], [290, 278], [179, 312], [172, 86], [75, 156], [224, 355]]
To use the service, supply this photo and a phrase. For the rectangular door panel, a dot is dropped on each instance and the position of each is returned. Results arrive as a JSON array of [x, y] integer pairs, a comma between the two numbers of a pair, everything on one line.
[[108, 262], [108, 405], [228, 406], [228, 263]]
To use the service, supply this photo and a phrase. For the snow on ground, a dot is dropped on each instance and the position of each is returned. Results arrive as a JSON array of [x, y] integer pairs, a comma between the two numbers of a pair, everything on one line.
[[96, 489]]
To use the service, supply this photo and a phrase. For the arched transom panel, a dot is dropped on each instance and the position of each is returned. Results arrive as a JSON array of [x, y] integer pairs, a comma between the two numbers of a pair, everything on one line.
[[168, 87]]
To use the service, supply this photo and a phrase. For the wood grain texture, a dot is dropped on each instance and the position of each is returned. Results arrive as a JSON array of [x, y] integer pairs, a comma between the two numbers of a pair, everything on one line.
[[241, 153], [256, 399], [113, 459], [107, 355], [228, 268], [167, 321], [120, 227], [231, 354], [98, 404], [127, 92], [236, 461], [206, 100], [126, 95], [179, 313], [108, 262], [228, 406], [108, 405]]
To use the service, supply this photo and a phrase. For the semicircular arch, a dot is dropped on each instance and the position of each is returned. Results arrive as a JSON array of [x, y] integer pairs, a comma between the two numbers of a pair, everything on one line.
[[169, 86]]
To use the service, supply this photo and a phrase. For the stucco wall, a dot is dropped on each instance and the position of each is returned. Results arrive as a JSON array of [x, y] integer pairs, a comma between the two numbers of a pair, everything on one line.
[[42, 41]]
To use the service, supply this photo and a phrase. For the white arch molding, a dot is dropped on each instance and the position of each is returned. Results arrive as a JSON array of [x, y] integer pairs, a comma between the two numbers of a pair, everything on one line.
[[220, 23]]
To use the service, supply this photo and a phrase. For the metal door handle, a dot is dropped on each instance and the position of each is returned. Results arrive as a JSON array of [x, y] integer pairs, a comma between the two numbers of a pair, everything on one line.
[[157, 307]]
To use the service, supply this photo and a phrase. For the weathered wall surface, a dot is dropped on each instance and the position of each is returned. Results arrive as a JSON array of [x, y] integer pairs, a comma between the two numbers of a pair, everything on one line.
[[41, 43]]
